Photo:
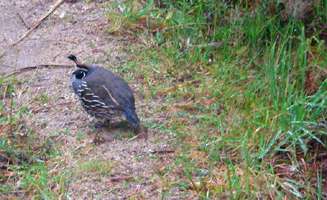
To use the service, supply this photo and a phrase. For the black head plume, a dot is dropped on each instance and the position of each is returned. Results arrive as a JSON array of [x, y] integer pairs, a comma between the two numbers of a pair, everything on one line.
[[78, 64], [72, 58]]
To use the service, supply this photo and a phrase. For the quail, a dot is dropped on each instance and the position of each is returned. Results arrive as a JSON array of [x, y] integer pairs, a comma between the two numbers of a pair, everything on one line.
[[103, 94]]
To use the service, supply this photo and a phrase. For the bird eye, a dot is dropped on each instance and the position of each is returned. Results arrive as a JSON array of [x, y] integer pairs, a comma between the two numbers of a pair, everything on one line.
[[80, 74]]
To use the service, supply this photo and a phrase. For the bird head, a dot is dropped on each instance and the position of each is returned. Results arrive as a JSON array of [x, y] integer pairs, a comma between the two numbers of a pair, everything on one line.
[[80, 73], [77, 78]]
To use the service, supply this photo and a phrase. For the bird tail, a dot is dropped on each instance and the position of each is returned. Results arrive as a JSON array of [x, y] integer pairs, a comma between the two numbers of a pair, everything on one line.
[[78, 64], [132, 118]]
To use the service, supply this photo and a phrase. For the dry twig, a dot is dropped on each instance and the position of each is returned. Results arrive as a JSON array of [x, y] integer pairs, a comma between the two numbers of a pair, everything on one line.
[[165, 151], [120, 178], [25, 69], [176, 87], [23, 21], [56, 5]]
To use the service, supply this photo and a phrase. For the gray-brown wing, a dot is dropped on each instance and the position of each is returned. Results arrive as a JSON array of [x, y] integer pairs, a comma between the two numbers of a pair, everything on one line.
[[111, 89]]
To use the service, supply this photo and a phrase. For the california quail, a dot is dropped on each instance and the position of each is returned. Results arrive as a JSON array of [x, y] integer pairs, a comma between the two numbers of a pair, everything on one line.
[[103, 94]]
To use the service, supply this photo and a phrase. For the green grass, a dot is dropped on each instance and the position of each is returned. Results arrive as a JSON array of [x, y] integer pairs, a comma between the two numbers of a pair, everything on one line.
[[100, 167], [42, 98], [227, 79], [238, 108], [24, 155]]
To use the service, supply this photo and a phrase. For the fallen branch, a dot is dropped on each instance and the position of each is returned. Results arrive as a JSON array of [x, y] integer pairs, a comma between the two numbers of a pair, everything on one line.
[[189, 106], [25, 69], [176, 87], [162, 151], [57, 4], [121, 178]]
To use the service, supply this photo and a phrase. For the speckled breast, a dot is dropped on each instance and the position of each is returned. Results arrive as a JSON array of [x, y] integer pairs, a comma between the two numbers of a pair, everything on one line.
[[93, 104]]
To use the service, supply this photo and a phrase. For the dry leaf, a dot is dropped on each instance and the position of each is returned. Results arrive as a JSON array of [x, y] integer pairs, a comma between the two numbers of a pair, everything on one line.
[[310, 85], [178, 86], [208, 102]]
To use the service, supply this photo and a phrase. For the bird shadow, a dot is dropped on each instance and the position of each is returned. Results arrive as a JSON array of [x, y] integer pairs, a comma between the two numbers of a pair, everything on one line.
[[115, 131]]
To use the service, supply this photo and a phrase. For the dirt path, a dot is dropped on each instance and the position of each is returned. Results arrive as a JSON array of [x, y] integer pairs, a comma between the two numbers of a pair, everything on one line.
[[78, 28]]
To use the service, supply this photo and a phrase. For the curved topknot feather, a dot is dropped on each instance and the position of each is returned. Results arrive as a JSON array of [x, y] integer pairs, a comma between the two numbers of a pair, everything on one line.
[[72, 58]]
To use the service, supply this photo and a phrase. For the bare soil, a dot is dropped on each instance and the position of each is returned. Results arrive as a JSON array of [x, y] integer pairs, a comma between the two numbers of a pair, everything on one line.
[[79, 28]]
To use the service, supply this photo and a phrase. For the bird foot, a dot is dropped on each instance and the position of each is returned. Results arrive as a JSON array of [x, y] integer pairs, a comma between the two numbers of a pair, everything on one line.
[[98, 139]]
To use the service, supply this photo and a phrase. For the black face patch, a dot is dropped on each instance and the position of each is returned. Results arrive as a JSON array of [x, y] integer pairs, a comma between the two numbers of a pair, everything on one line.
[[80, 74]]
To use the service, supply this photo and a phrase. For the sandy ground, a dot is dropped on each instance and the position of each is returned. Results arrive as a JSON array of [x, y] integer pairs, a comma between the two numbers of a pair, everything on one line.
[[78, 28]]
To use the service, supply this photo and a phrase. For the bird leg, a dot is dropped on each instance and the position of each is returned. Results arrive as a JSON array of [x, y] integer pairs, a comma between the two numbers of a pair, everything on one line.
[[98, 138], [102, 124]]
